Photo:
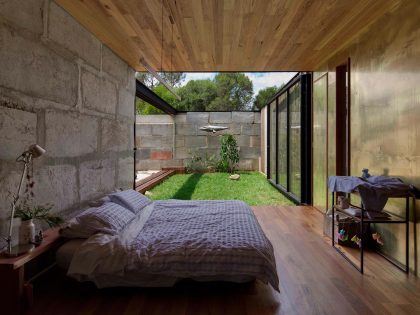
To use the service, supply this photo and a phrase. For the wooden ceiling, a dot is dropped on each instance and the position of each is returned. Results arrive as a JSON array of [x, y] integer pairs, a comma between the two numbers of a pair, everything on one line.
[[226, 35]]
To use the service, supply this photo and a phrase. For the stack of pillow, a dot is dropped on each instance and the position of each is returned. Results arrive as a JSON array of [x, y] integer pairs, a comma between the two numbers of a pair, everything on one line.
[[107, 215]]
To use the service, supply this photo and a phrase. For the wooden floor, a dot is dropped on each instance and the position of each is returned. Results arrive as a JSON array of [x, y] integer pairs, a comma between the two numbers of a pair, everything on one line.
[[314, 279]]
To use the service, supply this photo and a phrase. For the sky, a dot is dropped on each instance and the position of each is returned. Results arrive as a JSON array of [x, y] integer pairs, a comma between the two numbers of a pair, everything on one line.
[[260, 80]]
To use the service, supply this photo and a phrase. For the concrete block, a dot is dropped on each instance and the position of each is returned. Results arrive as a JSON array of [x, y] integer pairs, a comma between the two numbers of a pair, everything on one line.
[[161, 154], [70, 134], [234, 129], [57, 185], [220, 117], [66, 31], [186, 129], [181, 153], [255, 141], [172, 163], [249, 153], [125, 103], [246, 165], [197, 118], [125, 173], [181, 118], [114, 65], [143, 154], [143, 130], [243, 117], [149, 142], [96, 178], [28, 66], [251, 129], [131, 81], [179, 142], [162, 130], [9, 180], [148, 165], [24, 14], [195, 141], [17, 132], [213, 141], [98, 93], [116, 136], [243, 141], [154, 119], [257, 117]]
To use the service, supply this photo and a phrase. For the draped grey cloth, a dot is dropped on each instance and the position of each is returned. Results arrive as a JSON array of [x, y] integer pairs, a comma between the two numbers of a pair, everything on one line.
[[374, 191]]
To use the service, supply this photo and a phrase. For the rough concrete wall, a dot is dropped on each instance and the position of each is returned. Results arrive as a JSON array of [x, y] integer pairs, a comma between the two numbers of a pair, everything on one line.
[[157, 147], [61, 88]]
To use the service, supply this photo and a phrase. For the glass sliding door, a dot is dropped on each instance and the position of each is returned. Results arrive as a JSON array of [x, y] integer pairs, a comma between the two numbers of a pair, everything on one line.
[[273, 141], [290, 139]]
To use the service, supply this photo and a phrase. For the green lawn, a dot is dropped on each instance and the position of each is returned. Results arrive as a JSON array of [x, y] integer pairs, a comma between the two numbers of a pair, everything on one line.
[[252, 187]]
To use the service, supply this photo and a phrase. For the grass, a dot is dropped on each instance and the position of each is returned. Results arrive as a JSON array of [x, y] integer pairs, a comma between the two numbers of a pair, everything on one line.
[[252, 188]]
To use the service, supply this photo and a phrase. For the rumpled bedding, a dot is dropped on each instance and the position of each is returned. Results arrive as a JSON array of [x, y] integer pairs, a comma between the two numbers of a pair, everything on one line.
[[181, 240]]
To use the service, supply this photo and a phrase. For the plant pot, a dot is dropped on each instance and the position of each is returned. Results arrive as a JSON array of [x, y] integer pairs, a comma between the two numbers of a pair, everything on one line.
[[27, 232]]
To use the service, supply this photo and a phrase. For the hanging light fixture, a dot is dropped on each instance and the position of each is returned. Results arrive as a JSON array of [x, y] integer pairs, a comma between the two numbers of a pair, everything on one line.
[[154, 72]]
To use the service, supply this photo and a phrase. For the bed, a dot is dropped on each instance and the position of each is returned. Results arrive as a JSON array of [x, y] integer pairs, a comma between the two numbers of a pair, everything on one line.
[[167, 241]]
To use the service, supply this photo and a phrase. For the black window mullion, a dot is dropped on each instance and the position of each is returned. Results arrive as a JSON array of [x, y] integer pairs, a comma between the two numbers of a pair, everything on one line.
[[277, 140], [288, 139]]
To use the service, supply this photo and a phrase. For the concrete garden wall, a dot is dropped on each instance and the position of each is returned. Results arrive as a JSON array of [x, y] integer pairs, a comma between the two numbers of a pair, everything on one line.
[[166, 141], [61, 88]]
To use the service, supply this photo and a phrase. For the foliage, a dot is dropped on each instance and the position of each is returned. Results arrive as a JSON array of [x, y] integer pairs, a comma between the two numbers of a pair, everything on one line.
[[227, 91], [196, 95], [253, 188], [42, 213], [264, 96], [229, 153], [199, 162], [234, 92]]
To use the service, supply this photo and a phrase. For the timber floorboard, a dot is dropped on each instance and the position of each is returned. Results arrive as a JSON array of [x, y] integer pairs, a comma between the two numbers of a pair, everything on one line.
[[314, 279]]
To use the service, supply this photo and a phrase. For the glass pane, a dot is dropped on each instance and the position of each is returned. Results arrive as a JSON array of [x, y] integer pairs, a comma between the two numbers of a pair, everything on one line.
[[295, 134], [273, 146], [320, 143], [282, 127]]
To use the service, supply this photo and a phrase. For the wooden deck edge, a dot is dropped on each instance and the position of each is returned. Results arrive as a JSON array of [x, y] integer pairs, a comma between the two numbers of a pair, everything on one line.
[[152, 182]]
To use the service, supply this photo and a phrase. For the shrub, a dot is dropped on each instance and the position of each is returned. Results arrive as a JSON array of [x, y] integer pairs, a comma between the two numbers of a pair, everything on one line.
[[229, 153]]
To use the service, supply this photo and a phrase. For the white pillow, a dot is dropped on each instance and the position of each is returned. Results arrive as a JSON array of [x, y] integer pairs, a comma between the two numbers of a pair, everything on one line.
[[130, 199], [110, 218]]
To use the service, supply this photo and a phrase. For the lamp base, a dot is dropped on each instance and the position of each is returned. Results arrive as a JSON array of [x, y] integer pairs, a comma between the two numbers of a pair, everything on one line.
[[18, 250]]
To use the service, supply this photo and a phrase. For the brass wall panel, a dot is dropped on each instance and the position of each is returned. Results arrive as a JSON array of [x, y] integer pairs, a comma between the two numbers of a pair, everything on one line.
[[319, 144], [385, 109]]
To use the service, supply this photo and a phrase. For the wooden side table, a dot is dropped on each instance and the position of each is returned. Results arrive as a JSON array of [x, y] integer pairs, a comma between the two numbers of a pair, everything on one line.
[[12, 274]]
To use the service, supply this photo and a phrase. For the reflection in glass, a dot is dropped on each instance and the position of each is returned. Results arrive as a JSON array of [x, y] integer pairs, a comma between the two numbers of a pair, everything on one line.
[[295, 135], [282, 128], [320, 143], [273, 146]]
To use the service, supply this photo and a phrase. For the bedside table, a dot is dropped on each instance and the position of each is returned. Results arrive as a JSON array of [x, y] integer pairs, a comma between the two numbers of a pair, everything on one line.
[[12, 274]]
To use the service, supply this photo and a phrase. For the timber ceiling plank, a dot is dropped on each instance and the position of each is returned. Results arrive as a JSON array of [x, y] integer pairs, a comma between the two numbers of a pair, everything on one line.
[[227, 35]]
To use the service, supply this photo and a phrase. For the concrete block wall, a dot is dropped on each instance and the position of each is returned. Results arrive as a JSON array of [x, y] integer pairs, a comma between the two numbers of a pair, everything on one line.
[[167, 141], [62, 88]]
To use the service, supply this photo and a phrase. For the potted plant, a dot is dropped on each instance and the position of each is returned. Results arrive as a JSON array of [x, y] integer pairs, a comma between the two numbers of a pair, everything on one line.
[[229, 155], [27, 214]]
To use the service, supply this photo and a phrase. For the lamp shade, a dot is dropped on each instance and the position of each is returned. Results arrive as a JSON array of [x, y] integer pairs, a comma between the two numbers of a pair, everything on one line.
[[36, 150]]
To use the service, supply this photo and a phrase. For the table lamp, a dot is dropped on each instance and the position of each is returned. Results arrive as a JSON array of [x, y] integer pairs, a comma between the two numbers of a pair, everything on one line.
[[26, 157]]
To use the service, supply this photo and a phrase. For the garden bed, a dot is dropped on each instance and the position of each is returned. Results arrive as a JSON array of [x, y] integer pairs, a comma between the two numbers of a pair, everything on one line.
[[252, 188]]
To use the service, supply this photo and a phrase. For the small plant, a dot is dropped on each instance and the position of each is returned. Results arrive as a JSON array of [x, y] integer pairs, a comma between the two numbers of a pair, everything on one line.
[[26, 212], [42, 213], [203, 162], [229, 153]]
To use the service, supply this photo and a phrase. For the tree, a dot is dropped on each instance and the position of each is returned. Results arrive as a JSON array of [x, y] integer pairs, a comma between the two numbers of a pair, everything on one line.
[[264, 96], [196, 95], [229, 153], [144, 108], [234, 92]]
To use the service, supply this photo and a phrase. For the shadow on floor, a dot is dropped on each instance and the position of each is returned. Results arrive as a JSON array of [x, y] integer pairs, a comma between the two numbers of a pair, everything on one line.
[[187, 189]]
